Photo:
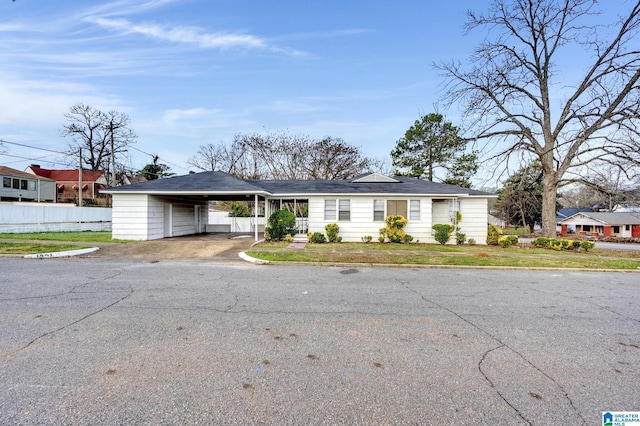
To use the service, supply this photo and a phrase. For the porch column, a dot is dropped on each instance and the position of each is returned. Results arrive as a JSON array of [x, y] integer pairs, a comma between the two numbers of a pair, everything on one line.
[[255, 214]]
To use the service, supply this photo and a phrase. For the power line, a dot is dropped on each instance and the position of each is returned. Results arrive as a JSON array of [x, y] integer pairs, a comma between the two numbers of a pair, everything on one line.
[[33, 147], [32, 159], [154, 155], [67, 154]]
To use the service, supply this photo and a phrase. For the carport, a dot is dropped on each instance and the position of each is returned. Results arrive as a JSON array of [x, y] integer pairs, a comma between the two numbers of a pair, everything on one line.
[[176, 206]]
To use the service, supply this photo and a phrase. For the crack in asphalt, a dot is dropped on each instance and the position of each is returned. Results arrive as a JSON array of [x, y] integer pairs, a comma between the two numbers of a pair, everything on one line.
[[501, 345], [89, 315], [588, 301], [484, 356]]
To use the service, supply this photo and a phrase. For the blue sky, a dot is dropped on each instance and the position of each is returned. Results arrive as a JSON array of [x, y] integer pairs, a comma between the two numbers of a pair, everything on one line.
[[193, 72]]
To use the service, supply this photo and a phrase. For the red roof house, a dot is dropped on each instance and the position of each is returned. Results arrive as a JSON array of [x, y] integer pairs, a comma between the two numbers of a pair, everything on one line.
[[67, 183]]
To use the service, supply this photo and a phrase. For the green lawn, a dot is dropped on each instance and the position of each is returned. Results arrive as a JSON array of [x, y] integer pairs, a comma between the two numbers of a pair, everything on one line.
[[448, 255], [35, 248], [81, 236]]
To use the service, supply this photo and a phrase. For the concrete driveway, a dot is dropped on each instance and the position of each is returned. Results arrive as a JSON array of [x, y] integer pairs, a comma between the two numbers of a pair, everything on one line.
[[219, 247]]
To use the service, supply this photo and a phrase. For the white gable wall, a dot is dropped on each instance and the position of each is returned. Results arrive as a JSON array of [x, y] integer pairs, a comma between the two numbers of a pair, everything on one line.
[[130, 216]]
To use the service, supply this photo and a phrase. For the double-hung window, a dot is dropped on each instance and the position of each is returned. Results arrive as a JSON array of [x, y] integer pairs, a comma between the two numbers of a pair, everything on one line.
[[414, 209], [344, 209], [337, 210], [378, 210], [329, 209]]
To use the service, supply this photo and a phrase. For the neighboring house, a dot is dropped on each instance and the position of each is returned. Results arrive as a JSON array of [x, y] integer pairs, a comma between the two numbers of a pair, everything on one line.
[[601, 224], [22, 186], [67, 182], [566, 212], [178, 205]]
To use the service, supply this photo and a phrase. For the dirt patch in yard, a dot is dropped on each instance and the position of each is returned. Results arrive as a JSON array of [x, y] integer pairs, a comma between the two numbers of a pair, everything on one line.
[[202, 246]]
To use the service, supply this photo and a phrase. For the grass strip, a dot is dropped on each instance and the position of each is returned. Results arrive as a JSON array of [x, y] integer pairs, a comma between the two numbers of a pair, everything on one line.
[[74, 236], [36, 248], [438, 255]]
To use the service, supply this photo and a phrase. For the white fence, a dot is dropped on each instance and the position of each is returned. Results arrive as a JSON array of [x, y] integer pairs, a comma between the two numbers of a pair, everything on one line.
[[221, 222], [19, 217]]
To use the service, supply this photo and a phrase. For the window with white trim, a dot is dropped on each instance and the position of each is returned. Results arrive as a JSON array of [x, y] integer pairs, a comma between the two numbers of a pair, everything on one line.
[[344, 209], [414, 209], [378, 210], [329, 209], [397, 208]]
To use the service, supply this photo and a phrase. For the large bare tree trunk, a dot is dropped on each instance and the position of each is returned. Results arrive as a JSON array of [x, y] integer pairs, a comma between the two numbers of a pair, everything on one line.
[[550, 186]]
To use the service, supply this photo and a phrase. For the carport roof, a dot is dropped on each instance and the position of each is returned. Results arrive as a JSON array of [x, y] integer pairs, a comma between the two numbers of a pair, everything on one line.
[[209, 183], [193, 183]]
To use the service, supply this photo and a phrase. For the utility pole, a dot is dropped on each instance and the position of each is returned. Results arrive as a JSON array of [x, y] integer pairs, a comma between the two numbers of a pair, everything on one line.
[[80, 181], [113, 157]]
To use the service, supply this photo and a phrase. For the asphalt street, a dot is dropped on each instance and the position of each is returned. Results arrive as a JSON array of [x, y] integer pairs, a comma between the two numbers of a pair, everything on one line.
[[102, 341]]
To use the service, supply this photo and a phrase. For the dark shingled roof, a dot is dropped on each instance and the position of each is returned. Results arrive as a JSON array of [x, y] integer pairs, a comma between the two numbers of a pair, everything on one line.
[[404, 186], [219, 182], [205, 182]]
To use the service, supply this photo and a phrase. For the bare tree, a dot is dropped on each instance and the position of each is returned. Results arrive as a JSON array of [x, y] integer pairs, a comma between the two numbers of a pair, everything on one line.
[[281, 155], [604, 186], [512, 82], [332, 158], [209, 157], [96, 132]]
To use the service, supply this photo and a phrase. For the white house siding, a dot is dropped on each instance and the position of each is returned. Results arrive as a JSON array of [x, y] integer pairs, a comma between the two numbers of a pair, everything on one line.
[[441, 211], [188, 219], [129, 217], [137, 217], [474, 218], [155, 218], [183, 222]]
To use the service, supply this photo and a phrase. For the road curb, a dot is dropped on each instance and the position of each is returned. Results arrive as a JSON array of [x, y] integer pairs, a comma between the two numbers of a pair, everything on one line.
[[67, 253], [244, 256]]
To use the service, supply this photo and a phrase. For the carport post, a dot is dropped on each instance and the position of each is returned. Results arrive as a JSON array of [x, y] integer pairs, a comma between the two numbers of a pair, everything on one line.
[[255, 213]]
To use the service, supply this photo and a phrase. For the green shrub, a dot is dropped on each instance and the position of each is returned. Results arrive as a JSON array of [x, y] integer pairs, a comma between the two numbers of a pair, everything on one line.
[[472, 241], [394, 231], [318, 238], [508, 240], [541, 242], [493, 233], [332, 232], [288, 238], [587, 245], [239, 209], [443, 232], [366, 239], [560, 244], [460, 237], [281, 223]]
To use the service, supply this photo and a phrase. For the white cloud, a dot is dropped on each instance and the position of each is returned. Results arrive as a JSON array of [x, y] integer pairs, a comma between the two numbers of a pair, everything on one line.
[[181, 34]]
